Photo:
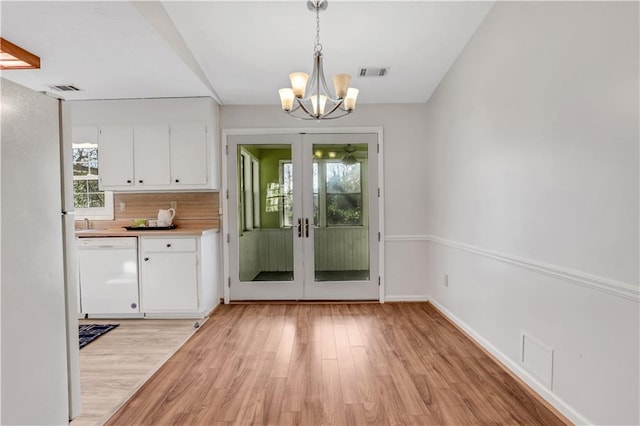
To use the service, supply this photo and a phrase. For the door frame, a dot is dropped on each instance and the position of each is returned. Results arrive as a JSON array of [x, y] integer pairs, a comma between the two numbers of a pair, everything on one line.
[[224, 196]]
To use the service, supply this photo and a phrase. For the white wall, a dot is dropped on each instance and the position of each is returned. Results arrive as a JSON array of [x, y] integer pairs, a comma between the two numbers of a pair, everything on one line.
[[34, 345], [133, 111], [531, 191], [403, 163]]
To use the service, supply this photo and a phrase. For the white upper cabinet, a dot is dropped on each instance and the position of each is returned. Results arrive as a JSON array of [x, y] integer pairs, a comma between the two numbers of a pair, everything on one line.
[[151, 153], [154, 144], [189, 159], [115, 155], [154, 157]]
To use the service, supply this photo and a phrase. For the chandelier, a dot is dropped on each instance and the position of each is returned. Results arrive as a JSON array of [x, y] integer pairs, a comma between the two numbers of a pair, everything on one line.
[[318, 103]]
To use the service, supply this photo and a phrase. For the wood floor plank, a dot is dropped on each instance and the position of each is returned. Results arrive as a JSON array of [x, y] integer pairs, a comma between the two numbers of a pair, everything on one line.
[[346, 366], [409, 395], [374, 408], [283, 354], [333, 407], [327, 338], [297, 384], [323, 364], [353, 332]]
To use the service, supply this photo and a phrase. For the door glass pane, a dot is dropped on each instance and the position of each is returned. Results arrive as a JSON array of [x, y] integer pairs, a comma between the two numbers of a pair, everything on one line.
[[341, 233], [265, 213]]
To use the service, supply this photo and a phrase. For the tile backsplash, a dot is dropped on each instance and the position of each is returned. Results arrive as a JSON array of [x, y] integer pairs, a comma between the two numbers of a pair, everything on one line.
[[192, 208]]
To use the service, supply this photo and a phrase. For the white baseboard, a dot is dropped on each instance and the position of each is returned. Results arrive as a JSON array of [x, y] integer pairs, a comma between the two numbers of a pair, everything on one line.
[[515, 368], [411, 298]]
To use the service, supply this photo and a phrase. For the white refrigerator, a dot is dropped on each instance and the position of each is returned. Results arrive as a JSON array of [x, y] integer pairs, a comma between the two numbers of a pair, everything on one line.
[[38, 310]]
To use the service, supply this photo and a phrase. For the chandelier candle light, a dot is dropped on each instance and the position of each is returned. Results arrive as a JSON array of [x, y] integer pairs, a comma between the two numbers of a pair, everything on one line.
[[313, 106]]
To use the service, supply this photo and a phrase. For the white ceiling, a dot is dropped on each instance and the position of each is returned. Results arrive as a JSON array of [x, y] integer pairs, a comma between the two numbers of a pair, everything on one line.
[[239, 52]]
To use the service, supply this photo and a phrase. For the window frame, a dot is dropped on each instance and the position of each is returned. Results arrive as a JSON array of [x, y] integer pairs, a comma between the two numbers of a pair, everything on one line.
[[282, 194], [248, 191], [323, 185], [105, 212], [322, 193]]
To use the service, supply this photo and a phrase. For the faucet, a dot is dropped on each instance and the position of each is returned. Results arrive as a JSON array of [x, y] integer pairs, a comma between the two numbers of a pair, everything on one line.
[[86, 223]]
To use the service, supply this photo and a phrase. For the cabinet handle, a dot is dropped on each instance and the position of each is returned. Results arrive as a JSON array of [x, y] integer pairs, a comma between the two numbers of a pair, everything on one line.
[[141, 181], [306, 227], [177, 180], [128, 180], [168, 245], [146, 259], [299, 228]]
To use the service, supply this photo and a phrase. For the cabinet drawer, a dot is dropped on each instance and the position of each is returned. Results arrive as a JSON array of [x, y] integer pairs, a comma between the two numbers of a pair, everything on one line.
[[168, 244]]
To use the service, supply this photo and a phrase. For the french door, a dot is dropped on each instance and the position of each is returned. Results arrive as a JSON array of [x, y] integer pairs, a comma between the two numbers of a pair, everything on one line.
[[303, 217]]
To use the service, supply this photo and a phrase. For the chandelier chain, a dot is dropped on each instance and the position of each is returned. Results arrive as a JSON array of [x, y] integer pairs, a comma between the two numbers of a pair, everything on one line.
[[318, 45]]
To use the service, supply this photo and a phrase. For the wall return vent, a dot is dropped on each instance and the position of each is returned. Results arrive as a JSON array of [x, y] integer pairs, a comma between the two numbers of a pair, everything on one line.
[[373, 71]]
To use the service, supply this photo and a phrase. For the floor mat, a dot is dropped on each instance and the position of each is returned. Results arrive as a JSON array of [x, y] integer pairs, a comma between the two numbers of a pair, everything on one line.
[[90, 332]]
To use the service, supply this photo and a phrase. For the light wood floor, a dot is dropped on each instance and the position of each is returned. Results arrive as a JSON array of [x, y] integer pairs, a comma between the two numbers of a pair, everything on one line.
[[118, 363], [322, 364]]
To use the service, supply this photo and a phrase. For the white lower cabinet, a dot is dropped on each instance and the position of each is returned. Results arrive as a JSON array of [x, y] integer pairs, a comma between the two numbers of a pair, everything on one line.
[[178, 276]]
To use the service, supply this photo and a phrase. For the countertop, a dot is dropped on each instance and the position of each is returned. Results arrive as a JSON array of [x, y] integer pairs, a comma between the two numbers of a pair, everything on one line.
[[121, 232]]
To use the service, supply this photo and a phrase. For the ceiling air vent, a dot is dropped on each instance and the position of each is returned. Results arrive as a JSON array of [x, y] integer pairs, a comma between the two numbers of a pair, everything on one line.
[[65, 88], [374, 71]]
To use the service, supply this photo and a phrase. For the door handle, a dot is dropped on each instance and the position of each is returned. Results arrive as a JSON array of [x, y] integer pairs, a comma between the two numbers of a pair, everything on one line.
[[299, 228], [306, 227]]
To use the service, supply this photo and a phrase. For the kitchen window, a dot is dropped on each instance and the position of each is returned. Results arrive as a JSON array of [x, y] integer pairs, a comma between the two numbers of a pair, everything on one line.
[[89, 201]]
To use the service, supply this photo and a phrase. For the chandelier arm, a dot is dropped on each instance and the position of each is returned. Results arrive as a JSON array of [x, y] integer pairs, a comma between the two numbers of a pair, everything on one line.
[[337, 116], [318, 65], [312, 117], [297, 107], [308, 88], [304, 108], [332, 110], [322, 79], [335, 100], [302, 118]]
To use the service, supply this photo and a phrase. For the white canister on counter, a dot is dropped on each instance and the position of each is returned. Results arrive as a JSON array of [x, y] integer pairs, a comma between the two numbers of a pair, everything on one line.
[[165, 217]]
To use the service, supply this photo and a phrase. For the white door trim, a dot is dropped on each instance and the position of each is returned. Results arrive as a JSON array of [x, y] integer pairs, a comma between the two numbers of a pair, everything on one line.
[[309, 130]]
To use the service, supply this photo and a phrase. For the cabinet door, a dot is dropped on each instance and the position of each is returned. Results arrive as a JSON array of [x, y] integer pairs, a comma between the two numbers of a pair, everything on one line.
[[189, 160], [151, 154], [115, 151], [169, 282]]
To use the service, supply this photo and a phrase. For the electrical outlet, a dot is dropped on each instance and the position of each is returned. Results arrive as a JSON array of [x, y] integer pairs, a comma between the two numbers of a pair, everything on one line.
[[445, 282], [174, 205], [123, 206]]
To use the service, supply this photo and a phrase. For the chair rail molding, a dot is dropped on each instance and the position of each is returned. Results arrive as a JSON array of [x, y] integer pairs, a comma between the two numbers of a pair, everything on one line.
[[605, 285]]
